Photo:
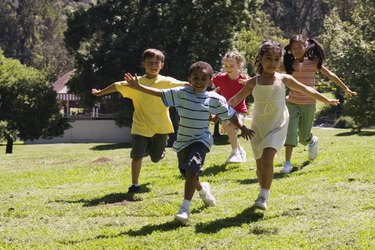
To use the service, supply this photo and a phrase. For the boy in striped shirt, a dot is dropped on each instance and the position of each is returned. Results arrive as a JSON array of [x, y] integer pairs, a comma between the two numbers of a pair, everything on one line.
[[194, 105]]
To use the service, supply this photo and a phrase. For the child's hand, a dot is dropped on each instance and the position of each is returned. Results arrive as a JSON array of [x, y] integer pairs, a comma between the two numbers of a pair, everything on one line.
[[348, 92], [95, 92], [246, 132], [333, 102], [244, 81], [132, 81], [214, 118]]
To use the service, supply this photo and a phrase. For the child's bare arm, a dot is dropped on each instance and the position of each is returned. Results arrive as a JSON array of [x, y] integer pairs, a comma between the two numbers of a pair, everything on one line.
[[245, 91], [292, 83], [334, 78], [245, 132], [133, 83], [108, 90]]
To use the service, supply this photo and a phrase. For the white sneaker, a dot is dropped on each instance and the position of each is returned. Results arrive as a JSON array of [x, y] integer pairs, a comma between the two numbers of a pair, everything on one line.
[[235, 157], [312, 149], [207, 197], [243, 154], [182, 215], [286, 169], [260, 203]]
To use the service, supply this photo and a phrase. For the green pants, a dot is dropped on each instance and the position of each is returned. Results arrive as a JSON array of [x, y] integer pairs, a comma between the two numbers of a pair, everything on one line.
[[301, 118]]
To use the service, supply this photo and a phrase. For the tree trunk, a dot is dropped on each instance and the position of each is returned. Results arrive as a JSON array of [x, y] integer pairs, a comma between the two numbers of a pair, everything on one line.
[[9, 147]]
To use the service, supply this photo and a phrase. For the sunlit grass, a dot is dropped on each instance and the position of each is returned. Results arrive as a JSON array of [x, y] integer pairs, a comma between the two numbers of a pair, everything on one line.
[[74, 196]]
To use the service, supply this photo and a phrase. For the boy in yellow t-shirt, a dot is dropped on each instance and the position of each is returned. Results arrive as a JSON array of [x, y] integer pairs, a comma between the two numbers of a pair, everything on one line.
[[151, 122]]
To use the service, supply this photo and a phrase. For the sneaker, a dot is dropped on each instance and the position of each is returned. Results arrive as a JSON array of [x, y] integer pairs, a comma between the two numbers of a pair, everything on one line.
[[286, 169], [134, 189], [260, 203], [312, 149], [243, 154], [207, 197], [182, 215], [235, 157]]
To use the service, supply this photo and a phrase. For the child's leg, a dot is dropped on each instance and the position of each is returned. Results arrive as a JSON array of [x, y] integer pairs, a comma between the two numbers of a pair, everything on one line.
[[266, 162], [191, 183], [136, 169], [232, 135]]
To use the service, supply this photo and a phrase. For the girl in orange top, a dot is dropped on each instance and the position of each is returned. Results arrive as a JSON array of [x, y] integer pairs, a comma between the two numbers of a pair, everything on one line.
[[302, 59]]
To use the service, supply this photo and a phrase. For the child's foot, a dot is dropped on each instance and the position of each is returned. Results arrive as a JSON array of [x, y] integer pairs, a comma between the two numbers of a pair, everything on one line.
[[287, 168], [182, 215], [312, 149], [260, 203], [207, 197], [134, 189], [235, 157]]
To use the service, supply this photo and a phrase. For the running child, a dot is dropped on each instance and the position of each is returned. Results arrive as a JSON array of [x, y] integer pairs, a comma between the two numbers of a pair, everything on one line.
[[151, 122], [270, 116], [303, 58], [194, 105]]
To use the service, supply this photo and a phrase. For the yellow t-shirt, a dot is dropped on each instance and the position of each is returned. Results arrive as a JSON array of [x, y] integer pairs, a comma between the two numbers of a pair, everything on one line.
[[150, 115]]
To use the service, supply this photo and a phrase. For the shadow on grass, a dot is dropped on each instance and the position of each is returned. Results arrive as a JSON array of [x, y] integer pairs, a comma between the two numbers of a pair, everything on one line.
[[111, 199], [149, 229], [216, 169], [249, 215], [111, 146], [362, 133]]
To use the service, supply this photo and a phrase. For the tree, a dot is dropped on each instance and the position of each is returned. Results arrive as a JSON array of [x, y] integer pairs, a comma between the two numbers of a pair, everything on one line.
[[28, 104], [32, 32], [350, 47], [109, 38]]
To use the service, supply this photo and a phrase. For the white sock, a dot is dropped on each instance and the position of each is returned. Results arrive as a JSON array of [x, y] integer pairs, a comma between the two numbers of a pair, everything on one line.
[[265, 193], [135, 184], [288, 163], [186, 204]]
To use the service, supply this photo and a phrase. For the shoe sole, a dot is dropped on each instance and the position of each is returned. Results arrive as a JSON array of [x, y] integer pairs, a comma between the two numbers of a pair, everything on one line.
[[256, 206], [181, 220]]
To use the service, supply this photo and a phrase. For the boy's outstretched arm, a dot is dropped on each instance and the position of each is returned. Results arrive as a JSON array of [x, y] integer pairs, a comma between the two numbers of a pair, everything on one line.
[[133, 83], [107, 90]]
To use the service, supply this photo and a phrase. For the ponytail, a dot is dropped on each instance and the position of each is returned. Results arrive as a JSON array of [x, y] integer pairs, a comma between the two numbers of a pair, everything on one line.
[[288, 59], [315, 51]]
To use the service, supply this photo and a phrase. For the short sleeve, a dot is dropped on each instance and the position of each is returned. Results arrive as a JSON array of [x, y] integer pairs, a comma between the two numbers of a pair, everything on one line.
[[170, 97], [221, 108]]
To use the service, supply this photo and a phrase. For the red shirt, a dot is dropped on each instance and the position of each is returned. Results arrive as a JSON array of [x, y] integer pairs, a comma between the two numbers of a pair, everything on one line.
[[229, 88]]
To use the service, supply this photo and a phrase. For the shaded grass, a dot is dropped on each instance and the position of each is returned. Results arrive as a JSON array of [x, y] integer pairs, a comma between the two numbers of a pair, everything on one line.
[[74, 196]]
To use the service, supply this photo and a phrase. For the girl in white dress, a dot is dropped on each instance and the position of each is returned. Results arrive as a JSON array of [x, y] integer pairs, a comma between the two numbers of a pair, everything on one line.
[[270, 116]]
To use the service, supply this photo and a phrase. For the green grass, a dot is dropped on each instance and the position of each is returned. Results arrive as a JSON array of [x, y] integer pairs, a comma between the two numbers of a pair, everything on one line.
[[73, 196]]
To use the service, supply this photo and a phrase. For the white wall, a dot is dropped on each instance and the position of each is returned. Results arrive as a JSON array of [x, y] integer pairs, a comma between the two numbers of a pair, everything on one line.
[[91, 131]]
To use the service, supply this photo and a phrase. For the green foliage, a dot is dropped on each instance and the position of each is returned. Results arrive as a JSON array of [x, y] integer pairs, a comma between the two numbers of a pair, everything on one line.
[[28, 104], [350, 46], [109, 38], [344, 122]]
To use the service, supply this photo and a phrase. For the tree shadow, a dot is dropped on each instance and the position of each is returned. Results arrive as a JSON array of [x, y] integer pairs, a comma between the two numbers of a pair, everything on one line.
[[362, 133], [111, 199], [111, 146], [249, 215]]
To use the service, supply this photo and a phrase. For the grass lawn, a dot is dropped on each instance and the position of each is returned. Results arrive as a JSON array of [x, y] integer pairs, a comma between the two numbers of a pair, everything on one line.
[[73, 196]]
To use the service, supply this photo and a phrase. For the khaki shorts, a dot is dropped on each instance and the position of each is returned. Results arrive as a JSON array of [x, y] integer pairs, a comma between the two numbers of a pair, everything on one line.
[[153, 146]]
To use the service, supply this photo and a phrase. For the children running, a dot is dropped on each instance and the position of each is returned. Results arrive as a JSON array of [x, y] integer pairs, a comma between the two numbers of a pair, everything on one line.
[[270, 115], [194, 105], [302, 59], [151, 123], [229, 84]]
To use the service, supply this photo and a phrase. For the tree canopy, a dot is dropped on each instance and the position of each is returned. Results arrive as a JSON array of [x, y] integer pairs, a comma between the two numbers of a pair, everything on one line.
[[28, 104]]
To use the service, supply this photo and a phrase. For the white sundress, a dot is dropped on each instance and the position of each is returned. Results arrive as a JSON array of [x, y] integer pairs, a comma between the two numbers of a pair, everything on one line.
[[270, 117]]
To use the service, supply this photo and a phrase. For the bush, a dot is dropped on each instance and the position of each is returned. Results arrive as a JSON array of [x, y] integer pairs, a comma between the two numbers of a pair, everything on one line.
[[344, 122]]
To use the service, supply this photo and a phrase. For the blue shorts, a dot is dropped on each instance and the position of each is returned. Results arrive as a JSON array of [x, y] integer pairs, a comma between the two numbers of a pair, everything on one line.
[[153, 146], [192, 158]]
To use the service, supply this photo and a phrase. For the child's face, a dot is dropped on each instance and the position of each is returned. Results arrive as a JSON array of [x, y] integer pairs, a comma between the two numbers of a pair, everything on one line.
[[298, 49], [271, 61], [231, 66], [199, 80], [152, 66]]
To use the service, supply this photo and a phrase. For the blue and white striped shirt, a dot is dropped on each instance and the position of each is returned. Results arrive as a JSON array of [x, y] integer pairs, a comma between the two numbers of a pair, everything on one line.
[[194, 110]]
